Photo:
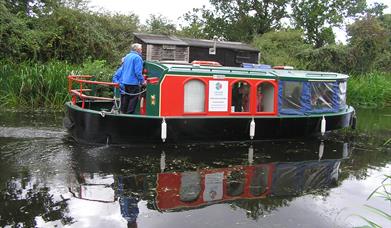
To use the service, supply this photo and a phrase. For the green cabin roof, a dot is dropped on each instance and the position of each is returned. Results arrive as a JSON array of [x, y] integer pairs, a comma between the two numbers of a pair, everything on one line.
[[189, 69]]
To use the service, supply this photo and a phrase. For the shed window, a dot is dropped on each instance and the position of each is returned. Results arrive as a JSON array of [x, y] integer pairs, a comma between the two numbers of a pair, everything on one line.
[[194, 96], [240, 97], [168, 52]]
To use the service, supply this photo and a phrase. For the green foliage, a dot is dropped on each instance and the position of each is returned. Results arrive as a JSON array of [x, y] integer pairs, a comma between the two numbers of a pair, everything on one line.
[[369, 49], [317, 17], [29, 8], [30, 85], [97, 68], [66, 33], [281, 47], [238, 20], [158, 24], [370, 90], [195, 27], [334, 58], [370, 44]]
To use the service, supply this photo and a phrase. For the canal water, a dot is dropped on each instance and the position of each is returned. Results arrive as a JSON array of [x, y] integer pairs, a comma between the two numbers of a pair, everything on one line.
[[48, 180]]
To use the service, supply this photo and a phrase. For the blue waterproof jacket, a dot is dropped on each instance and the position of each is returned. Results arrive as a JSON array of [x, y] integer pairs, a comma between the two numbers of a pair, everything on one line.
[[117, 78], [132, 67]]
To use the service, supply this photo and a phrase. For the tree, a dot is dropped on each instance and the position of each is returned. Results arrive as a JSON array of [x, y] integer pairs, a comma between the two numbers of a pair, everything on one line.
[[375, 10], [281, 47], [17, 39], [239, 20], [195, 26], [69, 32], [317, 17], [369, 42], [334, 58], [30, 8], [159, 24]]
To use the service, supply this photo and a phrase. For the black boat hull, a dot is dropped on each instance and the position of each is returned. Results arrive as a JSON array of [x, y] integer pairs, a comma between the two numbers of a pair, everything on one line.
[[100, 127]]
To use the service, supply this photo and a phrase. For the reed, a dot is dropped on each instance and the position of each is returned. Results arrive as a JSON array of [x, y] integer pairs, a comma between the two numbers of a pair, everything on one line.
[[382, 191], [370, 90], [31, 86]]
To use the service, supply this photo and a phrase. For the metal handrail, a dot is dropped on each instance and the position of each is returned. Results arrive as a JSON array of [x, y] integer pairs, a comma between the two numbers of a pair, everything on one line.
[[86, 79]]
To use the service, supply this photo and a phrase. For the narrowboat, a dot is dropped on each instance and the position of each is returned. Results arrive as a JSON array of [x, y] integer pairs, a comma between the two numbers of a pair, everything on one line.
[[207, 102]]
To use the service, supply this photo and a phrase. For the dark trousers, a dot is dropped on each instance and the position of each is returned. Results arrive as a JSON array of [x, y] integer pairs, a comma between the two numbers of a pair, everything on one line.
[[129, 102]]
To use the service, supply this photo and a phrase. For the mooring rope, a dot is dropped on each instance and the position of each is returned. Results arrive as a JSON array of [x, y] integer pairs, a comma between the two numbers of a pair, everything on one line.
[[132, 94], [117, 101]]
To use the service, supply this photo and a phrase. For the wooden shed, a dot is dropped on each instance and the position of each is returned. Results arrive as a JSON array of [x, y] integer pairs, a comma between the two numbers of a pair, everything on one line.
[[164, 47]]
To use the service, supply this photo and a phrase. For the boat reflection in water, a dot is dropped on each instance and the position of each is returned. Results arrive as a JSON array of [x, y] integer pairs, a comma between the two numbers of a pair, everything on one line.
[[173, 190]]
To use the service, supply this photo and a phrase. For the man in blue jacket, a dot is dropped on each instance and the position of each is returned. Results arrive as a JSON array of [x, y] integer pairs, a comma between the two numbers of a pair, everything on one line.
[[130, 78]]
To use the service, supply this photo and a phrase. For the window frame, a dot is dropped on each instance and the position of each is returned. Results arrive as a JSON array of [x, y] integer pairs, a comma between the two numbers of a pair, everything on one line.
[[272, 83], [205, 97], [250, 94]]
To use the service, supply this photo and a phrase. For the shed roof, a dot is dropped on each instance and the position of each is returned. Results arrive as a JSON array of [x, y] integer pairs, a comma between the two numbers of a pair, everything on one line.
[[173, 40], [160, 39]]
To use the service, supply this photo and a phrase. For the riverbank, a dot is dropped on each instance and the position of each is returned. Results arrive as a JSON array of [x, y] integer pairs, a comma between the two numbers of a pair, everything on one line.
[[31, 86]]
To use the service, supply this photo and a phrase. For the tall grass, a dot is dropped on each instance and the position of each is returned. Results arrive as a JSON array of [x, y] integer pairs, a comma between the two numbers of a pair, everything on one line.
[[33, 86], [370, 90]]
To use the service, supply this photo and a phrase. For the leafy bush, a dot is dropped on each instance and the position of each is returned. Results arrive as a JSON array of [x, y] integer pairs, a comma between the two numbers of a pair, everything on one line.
[[65, 34], [334, 58], [281, 47]]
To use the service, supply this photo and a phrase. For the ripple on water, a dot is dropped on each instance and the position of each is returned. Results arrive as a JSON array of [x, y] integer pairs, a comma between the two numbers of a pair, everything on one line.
[[30, 151], [22, 132]]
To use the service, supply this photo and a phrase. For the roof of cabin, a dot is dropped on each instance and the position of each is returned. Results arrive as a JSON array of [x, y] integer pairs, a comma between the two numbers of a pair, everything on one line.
[[250, 73], [173, 40]]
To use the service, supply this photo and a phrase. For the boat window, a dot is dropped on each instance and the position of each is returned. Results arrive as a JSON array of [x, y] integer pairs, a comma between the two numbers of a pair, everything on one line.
[[240, 97], [286, 179], [194, 96], [317, 176], [265, 97], [291, 94], [258, 184], [235, 182], [321, 95], [342, 94], [190, 186]]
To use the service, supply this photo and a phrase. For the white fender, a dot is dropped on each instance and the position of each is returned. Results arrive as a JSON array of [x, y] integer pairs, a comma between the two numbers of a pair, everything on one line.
[[162, 162], [345, 151], [250, 155], [164, 130], [321, 150], [252, 129], [323, 126]]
